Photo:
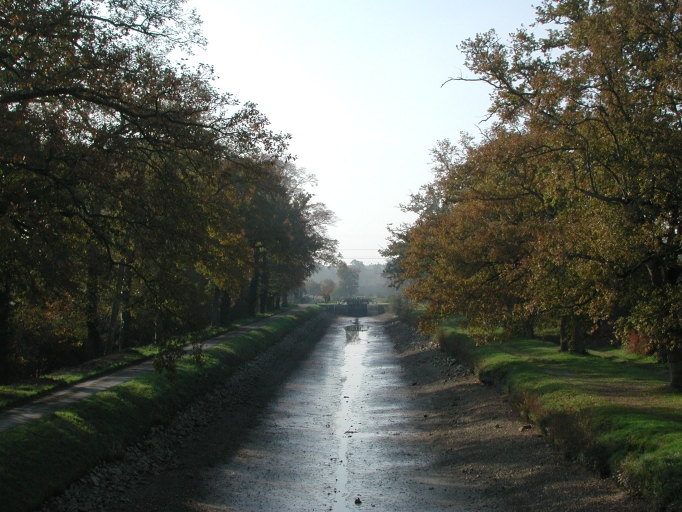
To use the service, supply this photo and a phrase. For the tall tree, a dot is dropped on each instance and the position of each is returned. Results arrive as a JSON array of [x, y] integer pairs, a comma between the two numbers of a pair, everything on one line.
[[604, 86], [108, 151], [327, 287], [348, 280], [591, 106]]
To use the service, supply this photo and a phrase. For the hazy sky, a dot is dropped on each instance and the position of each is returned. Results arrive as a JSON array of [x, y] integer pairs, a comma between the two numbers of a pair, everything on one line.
[[357, 83]]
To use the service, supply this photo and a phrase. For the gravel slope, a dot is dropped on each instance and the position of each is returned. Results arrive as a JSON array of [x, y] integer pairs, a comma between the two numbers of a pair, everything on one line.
[[491, 450]]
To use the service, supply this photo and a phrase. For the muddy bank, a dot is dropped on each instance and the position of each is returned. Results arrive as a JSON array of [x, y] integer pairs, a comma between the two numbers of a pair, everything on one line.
[[489, 449]]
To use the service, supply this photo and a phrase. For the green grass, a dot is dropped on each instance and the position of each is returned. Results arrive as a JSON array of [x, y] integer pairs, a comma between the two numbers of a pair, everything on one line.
[[612, 410], [21, 392], [41, 457]]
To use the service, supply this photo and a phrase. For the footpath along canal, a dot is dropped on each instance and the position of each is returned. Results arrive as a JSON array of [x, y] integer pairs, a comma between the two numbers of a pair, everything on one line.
[[376, 419]]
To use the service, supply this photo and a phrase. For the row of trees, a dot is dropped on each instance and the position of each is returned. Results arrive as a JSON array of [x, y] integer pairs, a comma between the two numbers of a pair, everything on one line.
[[370, 281], [324, 288], [567, 209], [348, 278], [136, 201]]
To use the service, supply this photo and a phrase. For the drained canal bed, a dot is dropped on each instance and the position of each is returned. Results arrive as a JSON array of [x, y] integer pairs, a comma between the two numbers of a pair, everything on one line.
[[371, 417], [342, 434]]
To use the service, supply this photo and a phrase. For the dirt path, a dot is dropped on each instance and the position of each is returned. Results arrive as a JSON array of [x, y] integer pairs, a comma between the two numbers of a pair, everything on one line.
[[383, 418]]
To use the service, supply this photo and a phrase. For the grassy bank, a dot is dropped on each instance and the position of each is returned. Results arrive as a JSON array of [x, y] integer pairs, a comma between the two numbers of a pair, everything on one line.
[[43, 456], [611, 410], [12, 395]]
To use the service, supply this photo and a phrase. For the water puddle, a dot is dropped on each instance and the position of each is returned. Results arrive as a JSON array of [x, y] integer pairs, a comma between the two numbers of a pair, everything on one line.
[[338, 430], [352, 372]]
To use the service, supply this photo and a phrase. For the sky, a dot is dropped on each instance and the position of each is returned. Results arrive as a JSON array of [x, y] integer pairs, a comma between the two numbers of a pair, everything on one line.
[[357, 84]]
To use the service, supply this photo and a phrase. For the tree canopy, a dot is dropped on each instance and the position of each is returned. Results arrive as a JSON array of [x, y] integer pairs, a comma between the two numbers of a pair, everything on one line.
[[569, 205], [349, 276], [136, 201]]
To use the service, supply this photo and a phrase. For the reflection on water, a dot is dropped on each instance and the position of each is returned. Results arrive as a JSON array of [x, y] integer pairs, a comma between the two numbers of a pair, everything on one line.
[[352, 373], [353, 330], [311, 447]]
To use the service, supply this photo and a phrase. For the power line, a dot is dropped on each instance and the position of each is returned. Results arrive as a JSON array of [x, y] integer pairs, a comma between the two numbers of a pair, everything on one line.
[[349, 258]]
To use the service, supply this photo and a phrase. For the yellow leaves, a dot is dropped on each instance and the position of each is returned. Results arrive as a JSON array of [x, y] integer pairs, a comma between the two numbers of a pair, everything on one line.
[[577, 187]]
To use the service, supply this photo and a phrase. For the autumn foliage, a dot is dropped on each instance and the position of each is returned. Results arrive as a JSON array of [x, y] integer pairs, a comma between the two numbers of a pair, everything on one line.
[[567, 210], [136, 201]]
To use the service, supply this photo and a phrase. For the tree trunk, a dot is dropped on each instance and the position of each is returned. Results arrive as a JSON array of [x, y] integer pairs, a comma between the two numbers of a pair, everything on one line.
[[93, 342], [225, 302], [116, 306], [563, 334], [239, 310], [215, 307], [124, 336], [115, 309], [661, 275], [5, 333], [252, 296], [126, 314], [655, 273], [159, 331], [285, 300], [265, 285], [577, 341], [675, 362]]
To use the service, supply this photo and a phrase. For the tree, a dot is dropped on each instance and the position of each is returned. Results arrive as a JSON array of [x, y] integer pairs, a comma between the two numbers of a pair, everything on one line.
[[593, 234], [327, 288], [287, 230], [605, 86], [358, 265], [136, 202], [348, 280], [312, 288], [469, 250], [109, 156]]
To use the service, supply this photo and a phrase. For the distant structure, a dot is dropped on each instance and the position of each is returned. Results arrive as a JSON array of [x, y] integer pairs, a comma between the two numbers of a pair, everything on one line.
[[355, 306]]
